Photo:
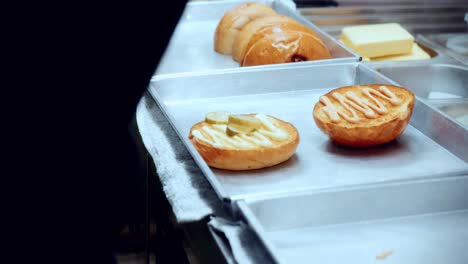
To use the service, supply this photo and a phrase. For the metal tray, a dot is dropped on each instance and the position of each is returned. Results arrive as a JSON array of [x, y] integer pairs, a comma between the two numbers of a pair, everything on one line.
[[429, 81], [408, 222], [424, 150], [191, 46], [455, 109], [423, 21], [443, 42], [418, 18]]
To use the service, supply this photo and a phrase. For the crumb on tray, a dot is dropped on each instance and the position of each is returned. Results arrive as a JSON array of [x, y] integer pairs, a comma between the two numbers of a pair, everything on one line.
[[384, 254]]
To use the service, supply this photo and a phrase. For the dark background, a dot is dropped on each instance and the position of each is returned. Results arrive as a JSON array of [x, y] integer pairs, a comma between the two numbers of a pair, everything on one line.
[[74, 74]]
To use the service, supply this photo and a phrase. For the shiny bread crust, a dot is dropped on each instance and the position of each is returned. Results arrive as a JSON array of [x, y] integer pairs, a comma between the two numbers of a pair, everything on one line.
[[247, 159], [367, 132], [266, 51], [234, 20], [242, 41]]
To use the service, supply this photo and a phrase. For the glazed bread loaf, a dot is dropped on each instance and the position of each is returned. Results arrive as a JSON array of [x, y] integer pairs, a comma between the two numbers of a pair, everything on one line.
[[275, 141], [254, 27], [234, 20], [364, 115], [255, 35], [275, 45]]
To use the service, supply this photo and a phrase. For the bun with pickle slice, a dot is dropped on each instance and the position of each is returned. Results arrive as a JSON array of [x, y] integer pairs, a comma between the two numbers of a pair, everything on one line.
[[244, 142]]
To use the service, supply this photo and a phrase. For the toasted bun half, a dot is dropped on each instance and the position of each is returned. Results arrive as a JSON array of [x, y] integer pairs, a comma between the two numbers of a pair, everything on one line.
[[280, 46], [364, 115], [241, 43], [234, 20], [230, 157]]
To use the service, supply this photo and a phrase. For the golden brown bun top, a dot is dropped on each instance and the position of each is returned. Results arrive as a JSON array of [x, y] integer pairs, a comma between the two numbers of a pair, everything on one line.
[[364, 105], [262, 148], [274, 132], [279, 46], [242, 41], [234, 20]]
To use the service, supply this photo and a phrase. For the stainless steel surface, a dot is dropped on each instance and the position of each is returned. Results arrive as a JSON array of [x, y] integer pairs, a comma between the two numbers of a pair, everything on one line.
[[455, 109], [429, 23], [290, 94], [399, 2], [414, 222], [428, 81], [430, 18], [441, 85], [223, 246], [191, 46], [453, 44]]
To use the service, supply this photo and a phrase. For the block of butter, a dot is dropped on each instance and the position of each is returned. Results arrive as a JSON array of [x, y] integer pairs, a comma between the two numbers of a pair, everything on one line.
[[378, 40], [416, 54]]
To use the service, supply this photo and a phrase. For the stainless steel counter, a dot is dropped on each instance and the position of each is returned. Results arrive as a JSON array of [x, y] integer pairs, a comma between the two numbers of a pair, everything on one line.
[[434, 23], [409, 214]]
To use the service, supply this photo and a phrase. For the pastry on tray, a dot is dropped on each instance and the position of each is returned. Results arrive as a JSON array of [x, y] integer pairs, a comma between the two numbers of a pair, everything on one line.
[[364, 115], [252, 31], [255, 35], [234, 20], [243, 142], [283, 46]]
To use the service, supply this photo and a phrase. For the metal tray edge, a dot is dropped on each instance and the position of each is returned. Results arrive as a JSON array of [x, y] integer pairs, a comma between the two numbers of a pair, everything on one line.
[[251, 220], [193, 152], [229, 199], [244, 213], [287, 6]]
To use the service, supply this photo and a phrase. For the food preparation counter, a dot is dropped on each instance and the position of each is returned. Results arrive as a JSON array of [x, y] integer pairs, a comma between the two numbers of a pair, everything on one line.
[[395, 202]]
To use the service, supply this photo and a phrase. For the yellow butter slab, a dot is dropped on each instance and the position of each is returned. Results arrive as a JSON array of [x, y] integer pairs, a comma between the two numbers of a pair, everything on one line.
[[378, 40], [363, 58], [417, 53]]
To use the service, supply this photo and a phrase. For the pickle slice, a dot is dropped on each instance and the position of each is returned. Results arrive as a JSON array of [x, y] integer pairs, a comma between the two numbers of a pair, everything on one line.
[[246, 122], [242, 124], [232, 130], [220, 117]]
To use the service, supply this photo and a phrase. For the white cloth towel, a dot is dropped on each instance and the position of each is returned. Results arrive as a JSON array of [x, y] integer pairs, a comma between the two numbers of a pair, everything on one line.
[[187, 190], [240, 244]]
